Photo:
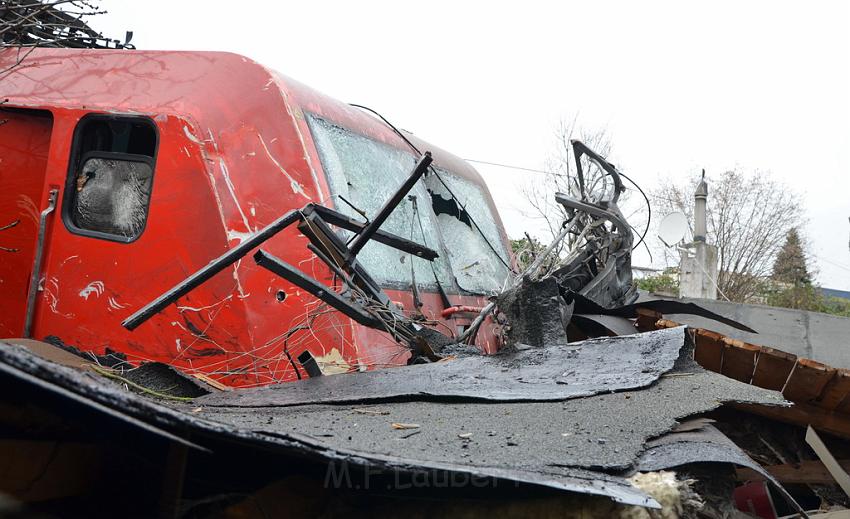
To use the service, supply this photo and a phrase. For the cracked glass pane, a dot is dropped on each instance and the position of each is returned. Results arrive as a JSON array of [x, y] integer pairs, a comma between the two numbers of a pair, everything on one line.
[[476, 266], [112, 196], [367, 173]]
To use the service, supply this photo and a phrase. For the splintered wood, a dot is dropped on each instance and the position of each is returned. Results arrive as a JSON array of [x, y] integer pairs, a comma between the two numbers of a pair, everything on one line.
[[821, 392]]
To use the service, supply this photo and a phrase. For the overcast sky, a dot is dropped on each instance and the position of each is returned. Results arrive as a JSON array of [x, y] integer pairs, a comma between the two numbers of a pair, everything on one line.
[[679, 86]]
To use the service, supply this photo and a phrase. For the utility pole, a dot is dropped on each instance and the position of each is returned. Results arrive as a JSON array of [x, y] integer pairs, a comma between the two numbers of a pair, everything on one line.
[[698, 259]]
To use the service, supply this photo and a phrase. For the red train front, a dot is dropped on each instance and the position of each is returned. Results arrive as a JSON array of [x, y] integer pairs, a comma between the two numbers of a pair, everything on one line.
[[160, 162]]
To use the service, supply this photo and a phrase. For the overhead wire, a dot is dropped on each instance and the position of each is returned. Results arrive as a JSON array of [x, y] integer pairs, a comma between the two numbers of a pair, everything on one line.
[[437, 175], [645, 197], [461, 205], [839, 265]]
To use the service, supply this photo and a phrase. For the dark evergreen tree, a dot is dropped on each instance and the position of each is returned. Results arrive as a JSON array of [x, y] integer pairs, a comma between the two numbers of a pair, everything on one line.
[[790, 264], [792, 281]]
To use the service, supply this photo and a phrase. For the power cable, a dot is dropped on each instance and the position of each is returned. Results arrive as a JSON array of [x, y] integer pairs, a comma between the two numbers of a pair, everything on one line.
[[646, 199], [509, 166], [436, 174]]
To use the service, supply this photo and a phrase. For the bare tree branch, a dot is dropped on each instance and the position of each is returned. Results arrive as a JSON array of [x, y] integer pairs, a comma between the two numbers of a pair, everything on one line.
[[52, 23], [561, 176], [29, 24], [749, 216]]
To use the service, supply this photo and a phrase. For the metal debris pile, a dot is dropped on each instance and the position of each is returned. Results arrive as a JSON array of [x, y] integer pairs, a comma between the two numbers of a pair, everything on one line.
[[622, 421], [587, 293], [598, 405]]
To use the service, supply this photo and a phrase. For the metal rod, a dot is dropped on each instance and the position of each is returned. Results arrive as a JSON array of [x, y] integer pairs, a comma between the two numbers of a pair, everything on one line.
[[235, 254], [611, 214], [319, 290], [331, 265], [531, 271], [397, 242], [363, 238], [323, 237], [214, 267], [35, 277], [579, 149]]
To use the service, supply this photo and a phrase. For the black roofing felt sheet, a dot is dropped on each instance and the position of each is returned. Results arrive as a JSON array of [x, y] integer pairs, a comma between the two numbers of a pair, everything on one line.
[[600, 432], [19, 366], [557, 372], [560, 444], [703, 445], [584, 305]]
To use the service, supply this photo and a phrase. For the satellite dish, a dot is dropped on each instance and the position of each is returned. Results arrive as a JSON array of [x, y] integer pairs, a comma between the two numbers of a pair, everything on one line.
[[673, 228]]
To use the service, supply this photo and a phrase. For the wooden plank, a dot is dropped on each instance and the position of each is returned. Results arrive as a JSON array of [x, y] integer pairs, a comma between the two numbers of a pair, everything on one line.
[[709, 350], [52, 353], [802, 414], [807, 380], [646, 319], [739, 359], [838, 514], [837, 391], [772, 368], [666, 323], [808, 472], [837, 471]]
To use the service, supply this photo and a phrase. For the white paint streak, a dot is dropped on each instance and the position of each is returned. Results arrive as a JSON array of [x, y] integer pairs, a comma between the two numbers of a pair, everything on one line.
[[179, 325], [232, 189], [114, 304], [237, 235], [214, 185], [95, 287], [52, 299], [191, 136], [239, 290], [303, 143], [66, 260], [199, 308], [29, 208], [296, 187], [212, 140]]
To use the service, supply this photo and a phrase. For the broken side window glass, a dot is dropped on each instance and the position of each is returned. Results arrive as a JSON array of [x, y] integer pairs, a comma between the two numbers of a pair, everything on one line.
[[112, 166], [367, 173], [476, 266], [112, 196]]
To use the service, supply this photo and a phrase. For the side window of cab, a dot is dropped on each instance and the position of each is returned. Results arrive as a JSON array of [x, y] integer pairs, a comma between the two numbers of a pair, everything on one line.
[[110, 177]]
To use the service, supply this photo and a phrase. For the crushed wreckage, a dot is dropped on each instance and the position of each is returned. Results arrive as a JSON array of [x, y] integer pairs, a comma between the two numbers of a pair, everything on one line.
[[200, 243]]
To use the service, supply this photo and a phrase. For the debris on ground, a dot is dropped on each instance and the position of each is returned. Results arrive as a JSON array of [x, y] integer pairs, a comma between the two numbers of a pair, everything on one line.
[[381, 352]]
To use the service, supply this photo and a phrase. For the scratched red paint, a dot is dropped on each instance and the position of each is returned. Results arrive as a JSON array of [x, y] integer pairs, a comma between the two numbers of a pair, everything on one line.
[[232, 139]]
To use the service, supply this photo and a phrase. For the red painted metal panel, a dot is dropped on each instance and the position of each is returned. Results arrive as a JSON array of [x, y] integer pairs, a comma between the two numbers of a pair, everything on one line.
[[24, 142], [234, 154]]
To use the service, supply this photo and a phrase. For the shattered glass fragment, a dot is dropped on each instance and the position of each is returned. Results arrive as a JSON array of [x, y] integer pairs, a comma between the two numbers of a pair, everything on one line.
[[367, 173], [112, 196], [475, 265]]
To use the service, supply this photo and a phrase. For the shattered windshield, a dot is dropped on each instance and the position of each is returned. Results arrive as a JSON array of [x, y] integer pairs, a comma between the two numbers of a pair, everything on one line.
[[476, 265], [366, 173]]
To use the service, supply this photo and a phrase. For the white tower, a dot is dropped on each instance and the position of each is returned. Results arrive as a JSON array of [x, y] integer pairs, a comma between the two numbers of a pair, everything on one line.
[[698, 263]]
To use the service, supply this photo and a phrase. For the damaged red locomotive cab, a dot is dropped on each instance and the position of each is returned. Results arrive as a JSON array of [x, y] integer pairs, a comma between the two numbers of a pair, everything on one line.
[[125, 172]]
